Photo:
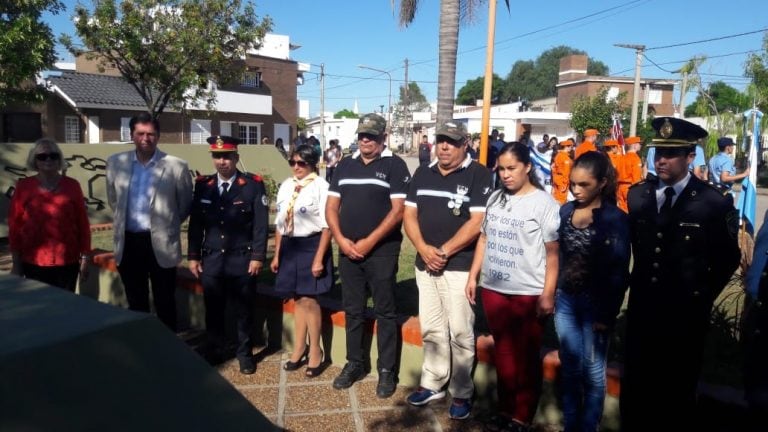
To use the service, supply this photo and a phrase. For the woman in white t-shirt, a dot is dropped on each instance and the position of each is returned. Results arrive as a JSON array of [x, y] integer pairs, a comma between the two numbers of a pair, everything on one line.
[[302, 258], [515, 264]]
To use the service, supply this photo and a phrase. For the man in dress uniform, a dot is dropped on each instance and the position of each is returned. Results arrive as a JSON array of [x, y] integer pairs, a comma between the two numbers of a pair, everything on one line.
[[228, 244], [754, 334], [685, 250]]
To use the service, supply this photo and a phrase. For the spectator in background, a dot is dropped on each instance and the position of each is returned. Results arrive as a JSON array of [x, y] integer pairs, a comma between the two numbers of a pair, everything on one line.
[[228, 245], [474, 149], [515, 265], [281, 148], [364, 212], [265, 140], [544, 144], [541, 156], [588, 144], [444, 209], [151, 194], [332, 158], [721, 168], [561, 171], [48, 230], [425, 151], [303, 260], [593, 276]]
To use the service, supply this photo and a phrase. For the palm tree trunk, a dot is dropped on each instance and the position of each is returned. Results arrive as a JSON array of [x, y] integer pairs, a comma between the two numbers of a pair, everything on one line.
[[449, 44]]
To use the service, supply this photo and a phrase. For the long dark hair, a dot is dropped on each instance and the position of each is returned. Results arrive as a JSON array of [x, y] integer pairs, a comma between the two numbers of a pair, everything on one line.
[[599, 166], [522, 153]]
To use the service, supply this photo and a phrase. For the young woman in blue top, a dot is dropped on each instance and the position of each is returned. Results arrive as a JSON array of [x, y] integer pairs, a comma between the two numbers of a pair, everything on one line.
[[594, 263]]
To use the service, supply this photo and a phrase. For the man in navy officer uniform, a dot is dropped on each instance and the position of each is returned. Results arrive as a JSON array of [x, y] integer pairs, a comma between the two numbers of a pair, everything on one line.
[[228, 244], [685, 250]]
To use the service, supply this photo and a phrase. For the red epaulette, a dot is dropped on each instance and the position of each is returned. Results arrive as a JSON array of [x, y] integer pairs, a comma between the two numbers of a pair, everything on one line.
[[241, 181], [257, 178]]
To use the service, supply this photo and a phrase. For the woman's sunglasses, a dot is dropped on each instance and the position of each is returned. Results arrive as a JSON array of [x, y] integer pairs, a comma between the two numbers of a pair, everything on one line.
[[42, 157], [301, 164]]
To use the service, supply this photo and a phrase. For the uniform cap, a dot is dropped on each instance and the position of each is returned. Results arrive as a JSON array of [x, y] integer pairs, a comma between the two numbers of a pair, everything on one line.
[[222, 143], [611, 143], [590, 132], [372, 124], [724, 142], [566, 142], [633, 140], [674, 132], [452, 130]]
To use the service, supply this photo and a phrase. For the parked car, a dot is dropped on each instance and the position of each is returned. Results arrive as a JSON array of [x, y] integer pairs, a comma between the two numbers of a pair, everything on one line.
[[352, 147]]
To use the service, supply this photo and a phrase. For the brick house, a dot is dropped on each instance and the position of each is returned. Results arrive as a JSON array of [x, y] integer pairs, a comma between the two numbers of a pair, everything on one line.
[[573, 81], [91, 106]]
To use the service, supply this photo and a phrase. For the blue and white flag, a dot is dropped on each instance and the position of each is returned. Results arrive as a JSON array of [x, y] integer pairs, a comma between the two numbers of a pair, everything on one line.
[[747, 202]]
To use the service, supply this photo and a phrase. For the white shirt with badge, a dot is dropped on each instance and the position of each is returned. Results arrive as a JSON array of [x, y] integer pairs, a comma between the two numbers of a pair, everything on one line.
[[309, 209]]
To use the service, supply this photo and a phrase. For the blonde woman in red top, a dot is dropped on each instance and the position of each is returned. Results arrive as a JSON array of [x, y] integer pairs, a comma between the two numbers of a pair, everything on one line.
[[49, 233]]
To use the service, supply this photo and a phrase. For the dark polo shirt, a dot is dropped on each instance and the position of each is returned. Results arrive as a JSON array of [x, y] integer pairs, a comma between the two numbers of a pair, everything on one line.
[[437, 198], [366, 193]]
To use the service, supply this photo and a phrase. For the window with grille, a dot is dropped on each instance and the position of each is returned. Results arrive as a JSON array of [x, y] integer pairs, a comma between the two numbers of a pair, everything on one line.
[[125, 129], [199, 131], [251, 79], [71, 129]]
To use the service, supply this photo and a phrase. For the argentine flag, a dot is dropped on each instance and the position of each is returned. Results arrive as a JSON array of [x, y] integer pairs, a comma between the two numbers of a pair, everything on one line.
[[747, 202]]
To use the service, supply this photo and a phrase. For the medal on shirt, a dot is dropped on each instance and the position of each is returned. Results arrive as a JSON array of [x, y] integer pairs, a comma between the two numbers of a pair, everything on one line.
[[458, 200]]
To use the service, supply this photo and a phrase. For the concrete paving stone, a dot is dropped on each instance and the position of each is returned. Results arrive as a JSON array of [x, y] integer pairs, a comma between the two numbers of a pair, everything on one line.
[[337, 422], [311, 398], [267, 373], [398, 419], [366, 396], [298, 376], [264, 399], [262, 354], [471, 424]]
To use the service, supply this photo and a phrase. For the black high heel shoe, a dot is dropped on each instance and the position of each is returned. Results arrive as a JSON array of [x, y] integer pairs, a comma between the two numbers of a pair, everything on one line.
[[313, 372], [292, 366]]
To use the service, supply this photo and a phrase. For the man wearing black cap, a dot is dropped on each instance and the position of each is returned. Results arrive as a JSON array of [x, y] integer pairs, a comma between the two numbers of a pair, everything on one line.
[[228, 244], [721, 169], [685, 250], [364, 213], [443, 213]]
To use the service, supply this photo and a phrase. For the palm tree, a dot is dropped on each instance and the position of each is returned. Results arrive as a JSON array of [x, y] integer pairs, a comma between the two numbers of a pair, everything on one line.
[[452, 14]]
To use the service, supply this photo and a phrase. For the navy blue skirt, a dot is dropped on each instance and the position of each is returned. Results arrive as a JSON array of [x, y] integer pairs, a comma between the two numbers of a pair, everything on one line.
[[294, 276]]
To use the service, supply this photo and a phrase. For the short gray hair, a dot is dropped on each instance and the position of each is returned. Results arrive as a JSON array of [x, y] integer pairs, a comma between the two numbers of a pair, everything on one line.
[[50, 144]]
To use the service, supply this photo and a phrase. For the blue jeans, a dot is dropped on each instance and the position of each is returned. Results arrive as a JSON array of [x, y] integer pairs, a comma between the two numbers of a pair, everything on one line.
[[583, 357]]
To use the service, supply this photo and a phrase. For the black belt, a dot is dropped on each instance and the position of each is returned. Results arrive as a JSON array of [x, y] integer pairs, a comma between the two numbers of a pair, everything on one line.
[[139, 234]]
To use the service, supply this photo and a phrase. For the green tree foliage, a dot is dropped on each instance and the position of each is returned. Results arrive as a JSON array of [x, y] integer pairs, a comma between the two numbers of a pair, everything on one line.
[[27, 46], [757, 69], [301, 123], [596, 112], [473, 91], [536, 79], [721, 95], [345, 113], [416, 102], [170, 50]]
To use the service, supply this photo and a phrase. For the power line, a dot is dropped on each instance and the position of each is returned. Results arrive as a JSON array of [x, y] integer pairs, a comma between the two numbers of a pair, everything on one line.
[[708, 40], [685, 61], [581, 18]]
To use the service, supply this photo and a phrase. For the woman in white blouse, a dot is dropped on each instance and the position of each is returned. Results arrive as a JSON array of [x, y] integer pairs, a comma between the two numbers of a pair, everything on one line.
[[302, 259]]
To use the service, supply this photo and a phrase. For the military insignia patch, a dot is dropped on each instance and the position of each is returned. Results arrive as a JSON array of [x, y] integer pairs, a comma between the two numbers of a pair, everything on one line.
[[219, 142], [264, 200], [666, 129]]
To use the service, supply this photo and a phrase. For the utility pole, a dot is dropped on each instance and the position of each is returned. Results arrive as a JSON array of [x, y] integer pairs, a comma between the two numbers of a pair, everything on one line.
[[322, 110], [639, 50], [487, 86], [406, 141], [646, 94]]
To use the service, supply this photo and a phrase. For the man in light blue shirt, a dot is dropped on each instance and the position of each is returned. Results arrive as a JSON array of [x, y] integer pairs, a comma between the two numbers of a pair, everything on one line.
[[721, 166]]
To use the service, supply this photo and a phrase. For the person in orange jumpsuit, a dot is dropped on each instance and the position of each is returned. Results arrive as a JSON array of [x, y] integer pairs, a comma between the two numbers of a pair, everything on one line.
[[630, 171], [561, 171], [613, 150], [590, 136]]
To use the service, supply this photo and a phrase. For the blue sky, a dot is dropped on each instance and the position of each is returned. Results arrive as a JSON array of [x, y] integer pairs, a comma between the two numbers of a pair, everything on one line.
[[341, 34]]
